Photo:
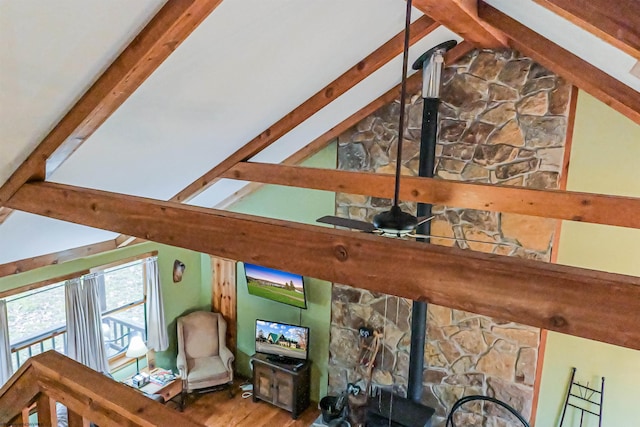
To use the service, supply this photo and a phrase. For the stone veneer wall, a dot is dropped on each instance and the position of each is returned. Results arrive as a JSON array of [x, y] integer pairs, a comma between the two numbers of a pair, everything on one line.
[[503, 120]]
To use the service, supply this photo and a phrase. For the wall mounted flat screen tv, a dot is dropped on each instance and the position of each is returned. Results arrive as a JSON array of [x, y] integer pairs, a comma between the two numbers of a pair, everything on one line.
[[282, 342], [276, 285]]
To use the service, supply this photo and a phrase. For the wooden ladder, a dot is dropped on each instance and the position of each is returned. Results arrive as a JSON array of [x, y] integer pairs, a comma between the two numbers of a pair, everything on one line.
[[584, 399]]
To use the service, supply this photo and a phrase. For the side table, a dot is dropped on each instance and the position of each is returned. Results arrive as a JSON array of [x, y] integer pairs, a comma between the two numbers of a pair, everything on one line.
[[167, 391]]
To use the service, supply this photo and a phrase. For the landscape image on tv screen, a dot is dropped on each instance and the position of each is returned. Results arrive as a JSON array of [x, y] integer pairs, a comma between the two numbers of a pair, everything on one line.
[[282, 340], [276, 285]]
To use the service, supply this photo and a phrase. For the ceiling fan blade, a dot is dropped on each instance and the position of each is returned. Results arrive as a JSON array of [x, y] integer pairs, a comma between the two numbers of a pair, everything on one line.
[[347, 223], [423, 219], [424, 236]]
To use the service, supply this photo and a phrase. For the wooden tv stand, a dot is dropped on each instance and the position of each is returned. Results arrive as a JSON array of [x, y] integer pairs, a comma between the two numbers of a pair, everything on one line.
[[281, 384]]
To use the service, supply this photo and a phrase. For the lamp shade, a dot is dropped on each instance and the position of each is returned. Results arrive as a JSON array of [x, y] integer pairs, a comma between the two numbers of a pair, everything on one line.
[[136, 348]]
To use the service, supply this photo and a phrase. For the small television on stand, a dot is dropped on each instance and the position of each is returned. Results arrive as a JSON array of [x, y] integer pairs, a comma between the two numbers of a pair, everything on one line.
[[281, 342]]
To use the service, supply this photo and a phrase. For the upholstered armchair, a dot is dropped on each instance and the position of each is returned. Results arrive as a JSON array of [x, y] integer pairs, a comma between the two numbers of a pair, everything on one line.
[[204, 361]]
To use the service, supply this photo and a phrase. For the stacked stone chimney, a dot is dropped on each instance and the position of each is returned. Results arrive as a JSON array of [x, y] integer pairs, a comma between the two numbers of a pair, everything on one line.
[[503, 120]]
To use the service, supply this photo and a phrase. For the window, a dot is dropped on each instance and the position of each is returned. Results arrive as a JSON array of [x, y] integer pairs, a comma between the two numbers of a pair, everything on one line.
[[37, 318], [123, 304], [36, 322]]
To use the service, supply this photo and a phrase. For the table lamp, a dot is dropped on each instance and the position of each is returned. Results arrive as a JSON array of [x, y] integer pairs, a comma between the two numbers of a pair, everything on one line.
[[136, 349]]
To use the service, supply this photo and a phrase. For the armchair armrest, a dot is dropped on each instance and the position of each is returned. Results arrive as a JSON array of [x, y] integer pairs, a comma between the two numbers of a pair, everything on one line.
[[227, 357], [181, 364]]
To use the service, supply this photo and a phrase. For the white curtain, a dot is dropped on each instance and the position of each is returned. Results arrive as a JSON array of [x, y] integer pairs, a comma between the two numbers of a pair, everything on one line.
[[6, 369], [85, 342], [157, 337]]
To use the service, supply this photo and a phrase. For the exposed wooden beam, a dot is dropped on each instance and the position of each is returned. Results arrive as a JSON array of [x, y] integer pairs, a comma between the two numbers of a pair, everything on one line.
[[591, 304], [617, 24], [4, 214], [413, 84], [16, 267], [575, 70], [324, 97], [296, 158], [121, 261], [160, 37], [42, 283], [574, 206], [461, 17]]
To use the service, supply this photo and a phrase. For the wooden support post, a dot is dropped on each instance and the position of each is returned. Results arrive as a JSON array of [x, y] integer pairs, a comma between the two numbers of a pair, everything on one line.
[[21, 420], [224, 296], [46, 411], [75, 419]]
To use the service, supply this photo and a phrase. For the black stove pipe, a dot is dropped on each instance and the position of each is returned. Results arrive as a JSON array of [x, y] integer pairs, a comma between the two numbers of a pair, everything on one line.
[[431, 62]]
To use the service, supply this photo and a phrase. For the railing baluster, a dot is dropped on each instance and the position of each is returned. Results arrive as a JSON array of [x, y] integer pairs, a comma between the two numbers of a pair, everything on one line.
[[46, 410], [118, 339]]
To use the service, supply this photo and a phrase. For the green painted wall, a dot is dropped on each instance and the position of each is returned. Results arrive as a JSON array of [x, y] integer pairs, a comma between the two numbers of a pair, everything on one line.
[[193, 292], [604, 159], [304, 206]]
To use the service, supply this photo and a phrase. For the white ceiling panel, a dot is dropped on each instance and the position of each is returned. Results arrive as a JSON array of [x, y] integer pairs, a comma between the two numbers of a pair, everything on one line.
[[353, 100], [250, 63], [25, 235], [50, 53]]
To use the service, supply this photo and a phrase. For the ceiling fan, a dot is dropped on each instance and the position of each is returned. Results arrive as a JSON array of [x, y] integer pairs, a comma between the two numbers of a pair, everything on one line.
[[395, 222]]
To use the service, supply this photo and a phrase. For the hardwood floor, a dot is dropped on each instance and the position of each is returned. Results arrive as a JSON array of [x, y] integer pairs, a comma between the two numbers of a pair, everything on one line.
[[216, 409]]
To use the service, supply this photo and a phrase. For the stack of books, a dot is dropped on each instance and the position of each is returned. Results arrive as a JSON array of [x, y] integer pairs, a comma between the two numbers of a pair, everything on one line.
[[162, 377]]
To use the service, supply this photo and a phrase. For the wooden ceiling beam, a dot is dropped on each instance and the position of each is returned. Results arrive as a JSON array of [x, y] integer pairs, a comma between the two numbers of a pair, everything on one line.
[[566, 205], [562, 62], [4, 214], [586, 303], [618, 25], [159, 38], [17, 267], [461, 17], [324, 97]]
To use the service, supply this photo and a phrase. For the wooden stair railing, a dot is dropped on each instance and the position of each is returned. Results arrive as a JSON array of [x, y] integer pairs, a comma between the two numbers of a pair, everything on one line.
[[89, 396]]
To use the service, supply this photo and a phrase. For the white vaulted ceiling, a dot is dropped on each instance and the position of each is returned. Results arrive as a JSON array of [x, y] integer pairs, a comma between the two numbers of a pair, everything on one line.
[[246, 66], [50, 53]]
